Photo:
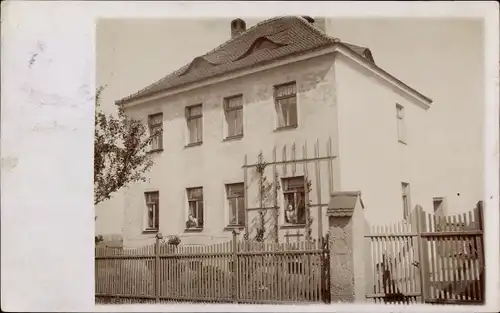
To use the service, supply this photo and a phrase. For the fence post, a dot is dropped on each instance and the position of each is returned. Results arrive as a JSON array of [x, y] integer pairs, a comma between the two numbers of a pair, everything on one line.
[[325, 270], [422, 252], [157, 267], [235, 267], [480, 222], [347, 226]]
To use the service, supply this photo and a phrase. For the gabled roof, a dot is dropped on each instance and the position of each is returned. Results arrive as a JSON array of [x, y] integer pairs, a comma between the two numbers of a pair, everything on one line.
[[266, 41]]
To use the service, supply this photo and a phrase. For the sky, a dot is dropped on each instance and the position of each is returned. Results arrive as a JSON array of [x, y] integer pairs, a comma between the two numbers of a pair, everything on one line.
[[441, 58]]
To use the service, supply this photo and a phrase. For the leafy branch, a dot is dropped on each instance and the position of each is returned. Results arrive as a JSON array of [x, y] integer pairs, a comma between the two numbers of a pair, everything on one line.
[[309, 218], [267, 191], [120, 151]]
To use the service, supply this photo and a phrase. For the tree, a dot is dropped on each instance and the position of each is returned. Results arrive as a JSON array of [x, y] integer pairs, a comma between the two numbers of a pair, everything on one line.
[[120, 151]]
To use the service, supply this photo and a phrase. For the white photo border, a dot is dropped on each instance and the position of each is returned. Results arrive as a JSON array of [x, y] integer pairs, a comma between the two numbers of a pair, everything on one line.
[[47, 138]]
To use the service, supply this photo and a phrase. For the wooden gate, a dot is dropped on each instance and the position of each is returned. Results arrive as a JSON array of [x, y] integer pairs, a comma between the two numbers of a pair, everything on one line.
[[429, 259]]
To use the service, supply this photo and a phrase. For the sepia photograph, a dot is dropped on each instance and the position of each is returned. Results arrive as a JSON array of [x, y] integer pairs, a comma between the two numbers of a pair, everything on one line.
[[289, 160], [239, 156]]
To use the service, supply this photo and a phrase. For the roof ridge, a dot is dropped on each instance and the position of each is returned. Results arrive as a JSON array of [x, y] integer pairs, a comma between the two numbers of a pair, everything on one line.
[[186, 66], [290, 20], [241, 34], [317, 30]]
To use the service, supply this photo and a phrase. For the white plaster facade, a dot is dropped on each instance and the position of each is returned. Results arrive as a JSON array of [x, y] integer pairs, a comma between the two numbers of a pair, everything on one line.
[[449, 164], [340, 97]]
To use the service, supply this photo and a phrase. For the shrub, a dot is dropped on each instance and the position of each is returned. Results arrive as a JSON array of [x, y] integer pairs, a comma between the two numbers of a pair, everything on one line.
[[174, 240]]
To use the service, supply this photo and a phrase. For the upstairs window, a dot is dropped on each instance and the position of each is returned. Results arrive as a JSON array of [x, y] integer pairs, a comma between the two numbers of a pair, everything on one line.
[[400, 115], [155, 123], [294, 196], [233, 111], [194, 119], [285, 97]]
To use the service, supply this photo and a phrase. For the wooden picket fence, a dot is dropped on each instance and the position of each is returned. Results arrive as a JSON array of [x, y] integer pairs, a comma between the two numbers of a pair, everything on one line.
[[429, 259], [235, 271]]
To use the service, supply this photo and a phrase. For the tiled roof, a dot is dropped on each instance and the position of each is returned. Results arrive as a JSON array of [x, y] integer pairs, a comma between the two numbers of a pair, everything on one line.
[[266, 41]]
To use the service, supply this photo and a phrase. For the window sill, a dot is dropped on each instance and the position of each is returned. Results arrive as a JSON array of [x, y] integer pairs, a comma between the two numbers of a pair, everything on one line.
[[194, 144], [230, 138], [292, 226], [234, 227], [149, 231], [155, 151], [283, 128], [193, 230]]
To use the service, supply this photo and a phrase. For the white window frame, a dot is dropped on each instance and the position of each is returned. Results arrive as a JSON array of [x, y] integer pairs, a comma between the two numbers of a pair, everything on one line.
[[189, 119], [196, 202], [278, 109], [228, 110], [155, 123], [406, 199], [285, 191], [401, 123], [230, 209], [154, 207]]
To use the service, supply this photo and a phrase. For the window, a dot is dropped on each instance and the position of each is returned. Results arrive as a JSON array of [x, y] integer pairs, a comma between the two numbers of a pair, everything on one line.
[[294, 194], [236, 200], [286, 105], [153, 207], [406, 199], [233, 111], [401, 123], [195, 201], [194, 118], [438, 204], [156, 131]]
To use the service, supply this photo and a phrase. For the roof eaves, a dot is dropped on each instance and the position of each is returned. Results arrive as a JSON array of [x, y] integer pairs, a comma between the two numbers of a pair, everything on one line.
[[138, 94], [398, 81], [263, 63], [186, 66]]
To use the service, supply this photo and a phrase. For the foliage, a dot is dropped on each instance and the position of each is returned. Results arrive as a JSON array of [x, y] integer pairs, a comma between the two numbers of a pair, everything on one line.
[[174, 240], [310, 219], [267, 191], [259, 237], [98, 239], [120, 151]]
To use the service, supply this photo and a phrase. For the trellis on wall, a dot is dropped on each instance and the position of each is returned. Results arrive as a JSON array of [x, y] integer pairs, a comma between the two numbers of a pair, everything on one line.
[[290, 163]]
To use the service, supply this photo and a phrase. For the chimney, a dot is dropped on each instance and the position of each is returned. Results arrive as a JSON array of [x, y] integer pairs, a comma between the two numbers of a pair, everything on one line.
[[318, 22], [238, 26]]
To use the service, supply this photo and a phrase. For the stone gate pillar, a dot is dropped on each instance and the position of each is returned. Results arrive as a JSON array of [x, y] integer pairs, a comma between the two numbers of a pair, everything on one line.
[[347, 227]]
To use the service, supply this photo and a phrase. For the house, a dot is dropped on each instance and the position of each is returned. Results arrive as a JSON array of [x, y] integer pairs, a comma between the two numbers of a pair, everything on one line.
[[316, 111]]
